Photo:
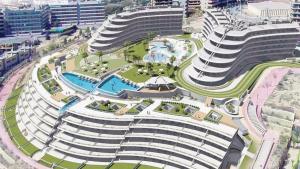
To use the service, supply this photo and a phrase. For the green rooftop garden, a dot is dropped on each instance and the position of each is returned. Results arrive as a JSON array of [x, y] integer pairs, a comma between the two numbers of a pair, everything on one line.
[[106, 106], [52, 86], [175, 108], [246, 163], [140, 106], [11, 125], [213, 116], [142, 73], [44, 73]]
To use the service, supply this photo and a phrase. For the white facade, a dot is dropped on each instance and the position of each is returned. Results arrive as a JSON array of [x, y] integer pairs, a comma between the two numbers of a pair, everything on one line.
[[269, 9], [232, 49], [134, 25]]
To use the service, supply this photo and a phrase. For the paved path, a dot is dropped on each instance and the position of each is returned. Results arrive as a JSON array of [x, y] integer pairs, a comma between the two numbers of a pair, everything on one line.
[[4, 95]]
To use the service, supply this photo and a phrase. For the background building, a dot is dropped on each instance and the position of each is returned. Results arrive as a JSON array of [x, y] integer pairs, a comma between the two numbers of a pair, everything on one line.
[[269, 9], [1, 24], [74, 13], [135, 24], [295, 13], [26, 20]]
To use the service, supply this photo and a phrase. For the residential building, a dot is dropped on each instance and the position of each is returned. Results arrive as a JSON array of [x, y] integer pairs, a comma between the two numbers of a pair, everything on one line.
[[235, 45], [26, 20], [75, 13], [268, 9], [191, 5], [1, 24], [295, 13], [10, 59], [161, 2], [134, 25]]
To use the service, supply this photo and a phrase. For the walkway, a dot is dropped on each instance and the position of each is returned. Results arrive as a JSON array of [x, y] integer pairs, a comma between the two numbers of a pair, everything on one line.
[[4, 95]]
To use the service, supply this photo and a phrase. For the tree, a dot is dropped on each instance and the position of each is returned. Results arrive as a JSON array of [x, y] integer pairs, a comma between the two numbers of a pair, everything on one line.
[[84, 55], [168, 67], [172, 60], [149, 66], [80, 32], [65, 41], [125, 54], [99, 54], [134, 58]]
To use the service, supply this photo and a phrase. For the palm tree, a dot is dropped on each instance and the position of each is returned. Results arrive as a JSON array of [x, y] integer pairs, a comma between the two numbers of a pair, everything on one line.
[[84, 55], [125, 54], [139, 58], [149, 66], [99, 54], [172, 60]]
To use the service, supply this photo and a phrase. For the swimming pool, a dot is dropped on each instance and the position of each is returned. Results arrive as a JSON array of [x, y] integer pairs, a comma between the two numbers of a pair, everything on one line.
[[80, 81], [113, 85]]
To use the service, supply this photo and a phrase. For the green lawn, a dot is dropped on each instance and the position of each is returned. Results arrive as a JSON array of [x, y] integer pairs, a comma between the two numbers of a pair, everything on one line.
[[147, 167], [139, 49], [246, 163], [248, 80], [184, 36], [122, 166], [133, 74], [254, 146], [12, 127]]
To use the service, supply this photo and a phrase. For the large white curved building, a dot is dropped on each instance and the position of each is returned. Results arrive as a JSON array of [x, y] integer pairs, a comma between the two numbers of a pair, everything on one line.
[[135, 24], [232, 47], [84, 135]]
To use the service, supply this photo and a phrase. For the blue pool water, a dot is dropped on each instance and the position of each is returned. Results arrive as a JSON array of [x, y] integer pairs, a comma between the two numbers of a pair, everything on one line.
[[159, 53], [114, 85], [68, 105], [85, 84]]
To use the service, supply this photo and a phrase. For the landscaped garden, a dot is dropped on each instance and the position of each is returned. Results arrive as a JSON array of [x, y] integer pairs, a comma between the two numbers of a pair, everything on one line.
[[213, 116], [44, 73], [52, 86], [175, 108], [12, 127], [140, 106], [106, 106], [141, 73]]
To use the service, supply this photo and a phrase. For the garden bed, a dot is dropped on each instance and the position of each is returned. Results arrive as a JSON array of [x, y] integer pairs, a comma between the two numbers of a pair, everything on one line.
[[213, 116], [44, 73], [106, 106], [148, 71], [175, 108], [52, 86], [140, 107]]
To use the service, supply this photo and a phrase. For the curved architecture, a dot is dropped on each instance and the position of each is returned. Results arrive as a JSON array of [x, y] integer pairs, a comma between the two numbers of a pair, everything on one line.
[[234, 48], [135, 24], [88, 136]]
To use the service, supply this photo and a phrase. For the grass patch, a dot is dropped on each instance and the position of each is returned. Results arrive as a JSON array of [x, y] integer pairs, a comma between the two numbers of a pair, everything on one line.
[[213, 117], [122, 166], [147, 167], [138, 77], [138, 49], [246, 163], [174, 108], [106, 106], [254, 146], [12, 127], [185, 36]]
